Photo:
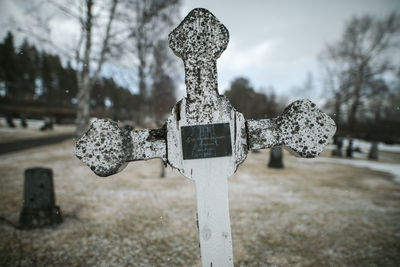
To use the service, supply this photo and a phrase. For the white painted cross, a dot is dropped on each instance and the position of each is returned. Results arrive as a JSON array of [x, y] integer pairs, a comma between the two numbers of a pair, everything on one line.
[[205, 138]]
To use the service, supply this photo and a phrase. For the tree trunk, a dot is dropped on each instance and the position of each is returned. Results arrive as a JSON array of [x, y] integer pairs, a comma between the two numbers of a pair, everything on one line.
[[83, 108], [338, 110], [353, 113], [84, 84], [356, 98]]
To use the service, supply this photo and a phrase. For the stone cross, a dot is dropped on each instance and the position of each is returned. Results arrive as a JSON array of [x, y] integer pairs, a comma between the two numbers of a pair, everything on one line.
[[205, 138]]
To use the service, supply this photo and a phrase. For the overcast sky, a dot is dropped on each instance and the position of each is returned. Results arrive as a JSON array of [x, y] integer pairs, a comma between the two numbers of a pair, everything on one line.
[[273, 43], [277, 42]]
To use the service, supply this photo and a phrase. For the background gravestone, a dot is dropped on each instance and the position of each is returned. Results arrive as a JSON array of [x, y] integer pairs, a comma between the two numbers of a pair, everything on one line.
[[162, 172], [373, 153], [23, 122], [47, 124], [276, 158], [339, 145], [39, 207], [349, 150], [10, 122]]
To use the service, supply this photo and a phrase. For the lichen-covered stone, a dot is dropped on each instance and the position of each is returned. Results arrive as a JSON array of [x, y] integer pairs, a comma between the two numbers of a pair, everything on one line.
[[106, 148], [199, 40], [302, 128]]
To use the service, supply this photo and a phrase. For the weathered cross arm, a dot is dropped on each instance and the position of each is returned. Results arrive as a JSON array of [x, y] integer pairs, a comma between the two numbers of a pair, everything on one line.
[[106, 148], [302, 129]]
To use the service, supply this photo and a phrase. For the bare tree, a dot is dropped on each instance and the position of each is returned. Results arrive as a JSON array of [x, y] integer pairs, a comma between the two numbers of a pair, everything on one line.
[[95, 27], [335, 81], [149, 21], [85, 58], [106, 29], [163, 87], [306, 90], [361, 58]]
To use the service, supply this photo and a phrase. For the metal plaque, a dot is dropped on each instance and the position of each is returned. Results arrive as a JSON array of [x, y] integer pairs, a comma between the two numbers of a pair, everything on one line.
[[206, 141]]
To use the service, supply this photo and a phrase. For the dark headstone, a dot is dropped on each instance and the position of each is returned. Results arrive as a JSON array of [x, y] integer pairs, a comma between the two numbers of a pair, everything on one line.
[[276, 158], [47, 124], [339, 145], [373, 153], [39, 207], [162, 173], [128, 127], [349, 150], [23, 122], [10, 122], [335, 139]]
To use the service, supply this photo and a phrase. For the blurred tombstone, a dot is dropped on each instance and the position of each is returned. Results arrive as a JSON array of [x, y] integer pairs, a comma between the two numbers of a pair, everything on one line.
[[10, 121], [349, 150], [339, 145], [335, 139], [47, 124], [255, 151], [162, 173], [373, 153], [39, 207], [23, 122], [276, 158], [128, 125]]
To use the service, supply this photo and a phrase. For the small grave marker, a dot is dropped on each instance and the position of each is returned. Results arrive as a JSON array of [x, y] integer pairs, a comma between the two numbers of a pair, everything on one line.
[[39, 207], [23, 122], [337, 152], [373, 152], [349, 149], [276, 158], [10, 121], [205, 138]]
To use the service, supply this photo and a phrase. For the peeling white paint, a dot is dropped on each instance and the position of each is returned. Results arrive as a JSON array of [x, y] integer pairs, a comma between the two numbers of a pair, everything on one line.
[[199, 40]]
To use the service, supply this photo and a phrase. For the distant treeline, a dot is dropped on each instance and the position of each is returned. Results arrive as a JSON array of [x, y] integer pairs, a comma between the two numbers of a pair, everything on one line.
[[253, 104], [32, 78]]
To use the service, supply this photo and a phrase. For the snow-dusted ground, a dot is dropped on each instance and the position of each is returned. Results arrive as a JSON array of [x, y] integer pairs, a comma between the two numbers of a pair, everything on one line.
[[390, 168], [32, 131], [361, 158], [365, 146], [31, 123], [312, 213]]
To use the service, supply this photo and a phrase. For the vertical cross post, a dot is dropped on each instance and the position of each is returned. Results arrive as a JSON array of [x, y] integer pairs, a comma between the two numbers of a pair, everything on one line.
[[205, 138]]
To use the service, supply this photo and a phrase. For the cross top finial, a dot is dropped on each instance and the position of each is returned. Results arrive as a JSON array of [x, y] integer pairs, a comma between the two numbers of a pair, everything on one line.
[[199, 35]]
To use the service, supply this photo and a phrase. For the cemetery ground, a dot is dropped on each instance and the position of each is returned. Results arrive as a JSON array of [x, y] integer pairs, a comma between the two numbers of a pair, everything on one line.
[[312, 213]]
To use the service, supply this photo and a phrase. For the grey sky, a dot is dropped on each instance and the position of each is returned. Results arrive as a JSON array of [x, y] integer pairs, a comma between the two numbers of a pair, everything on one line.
[[277, 42]]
